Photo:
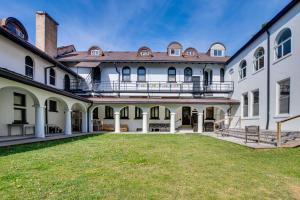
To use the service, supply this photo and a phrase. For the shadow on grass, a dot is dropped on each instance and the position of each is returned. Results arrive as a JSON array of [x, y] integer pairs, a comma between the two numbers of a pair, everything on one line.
[[9, 150]]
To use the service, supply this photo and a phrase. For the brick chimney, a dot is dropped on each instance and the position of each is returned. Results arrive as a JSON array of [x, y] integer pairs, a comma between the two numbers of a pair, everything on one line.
[[46, 33]]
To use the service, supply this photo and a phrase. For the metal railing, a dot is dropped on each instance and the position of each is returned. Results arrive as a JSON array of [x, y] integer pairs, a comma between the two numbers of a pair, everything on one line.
[[279, 126], [152, 87]]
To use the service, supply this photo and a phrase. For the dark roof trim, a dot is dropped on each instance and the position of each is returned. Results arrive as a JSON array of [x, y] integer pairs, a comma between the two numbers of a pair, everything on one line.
[[35, 50], [23, 79], [265, 28]]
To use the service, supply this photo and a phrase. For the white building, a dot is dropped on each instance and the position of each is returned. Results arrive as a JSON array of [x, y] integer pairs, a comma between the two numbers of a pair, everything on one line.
[[45, 89]]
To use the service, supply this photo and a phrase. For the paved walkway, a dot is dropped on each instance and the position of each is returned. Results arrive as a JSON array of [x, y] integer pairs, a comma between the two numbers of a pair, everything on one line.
[[4, 142]]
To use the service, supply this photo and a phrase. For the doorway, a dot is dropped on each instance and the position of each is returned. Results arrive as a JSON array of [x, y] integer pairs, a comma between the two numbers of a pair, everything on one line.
[[186, 115]]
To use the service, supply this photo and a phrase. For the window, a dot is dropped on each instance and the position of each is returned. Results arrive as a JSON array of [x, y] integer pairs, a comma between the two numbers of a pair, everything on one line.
[[124, 114], [52, 76], [284, 96], [154, 112], [141, 72], [29, 67], [259, 60], [67, 82], [126, 74], [95, 52], [243, 69], [283, 43], [218, 52], [245, 105], [52, 106], [19, 99], [138, 113], [188, 73], [210, 113], [222, 75], [109, 112], [96, 113], [167, 113], [172, 74], [19, 108], [255, 111], [175, 52]]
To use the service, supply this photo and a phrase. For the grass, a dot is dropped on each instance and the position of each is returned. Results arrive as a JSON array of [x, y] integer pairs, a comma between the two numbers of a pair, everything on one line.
[[147, 167]]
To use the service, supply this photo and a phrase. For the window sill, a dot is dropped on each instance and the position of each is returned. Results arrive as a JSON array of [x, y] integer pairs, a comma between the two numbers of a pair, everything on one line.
[[282, 58], [241, 80], [255, 72], [279, 116]]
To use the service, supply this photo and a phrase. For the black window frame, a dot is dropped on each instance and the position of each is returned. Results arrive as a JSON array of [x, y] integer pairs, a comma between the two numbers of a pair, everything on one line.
[[23, 116], [52, 106], [96, 113], [222, 75], [52, 76], [124, 113], [109, 112], [172, 75], [29, 67], [138, 113], [124, 75], [167, 114], [188, 74], [23, 99], [154, 113]]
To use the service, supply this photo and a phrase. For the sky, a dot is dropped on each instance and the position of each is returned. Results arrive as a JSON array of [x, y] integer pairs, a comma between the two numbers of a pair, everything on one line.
[[126, 25]]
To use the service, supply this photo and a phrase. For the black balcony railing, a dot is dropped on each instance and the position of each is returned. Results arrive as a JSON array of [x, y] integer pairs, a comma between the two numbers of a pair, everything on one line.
[[152, 87]]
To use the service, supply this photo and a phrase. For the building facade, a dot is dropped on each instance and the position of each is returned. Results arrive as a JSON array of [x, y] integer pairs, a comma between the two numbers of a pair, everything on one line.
[[45, 89]]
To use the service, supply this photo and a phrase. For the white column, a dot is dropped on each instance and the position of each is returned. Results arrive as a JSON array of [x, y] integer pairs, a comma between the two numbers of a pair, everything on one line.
[[40, 121], [68, 122], [226, 121], [200, 122], [91, 125], [145, 122], [117, 122], [172, 122], [84, 122]]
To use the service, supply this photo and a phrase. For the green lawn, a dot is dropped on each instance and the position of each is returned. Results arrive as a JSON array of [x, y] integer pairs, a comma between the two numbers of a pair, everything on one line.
[[147, 167]]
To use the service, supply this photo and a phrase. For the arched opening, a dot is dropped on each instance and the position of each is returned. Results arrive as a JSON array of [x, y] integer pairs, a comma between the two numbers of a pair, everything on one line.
[[67, 82], [17, 110], [78, 118], [208, 77], [283, 43], [188, 73], [171, 74], [29, 70], [243, 69], [55, 109], [141, 74], [212, 114], [126, 73], [222, 75]]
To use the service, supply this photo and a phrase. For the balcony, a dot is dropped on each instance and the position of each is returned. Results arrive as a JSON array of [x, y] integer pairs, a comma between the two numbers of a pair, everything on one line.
[[81, 86]]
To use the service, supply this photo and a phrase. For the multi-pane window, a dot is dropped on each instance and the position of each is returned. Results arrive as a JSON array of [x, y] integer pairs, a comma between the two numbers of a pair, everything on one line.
[[154, 112], [188, 73], [284, 96], [109, 112], [95, 52], [243, 69], [67, 82], [255, 111], [52, 106], [52, 76], [29, 67], [126, 74], [167, 113], [218, 52], [172, 74], [19, 108], [124, 114], [245, 105], [259, 59], [175, 52], [141, 72], [138, 113], [283, 43]]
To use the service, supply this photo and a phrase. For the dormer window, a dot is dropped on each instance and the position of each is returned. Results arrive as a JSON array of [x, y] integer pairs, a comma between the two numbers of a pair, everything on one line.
[[218, 52], [95, 52], [175, 52], [144, 51], [15, 27]]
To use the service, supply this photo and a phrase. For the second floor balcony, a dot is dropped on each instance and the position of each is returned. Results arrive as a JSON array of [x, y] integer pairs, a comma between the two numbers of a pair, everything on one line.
[[198, 87]]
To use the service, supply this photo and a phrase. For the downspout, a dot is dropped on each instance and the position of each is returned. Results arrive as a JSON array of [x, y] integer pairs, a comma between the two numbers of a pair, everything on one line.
[[268, 80], [88, 116], [119, 76]]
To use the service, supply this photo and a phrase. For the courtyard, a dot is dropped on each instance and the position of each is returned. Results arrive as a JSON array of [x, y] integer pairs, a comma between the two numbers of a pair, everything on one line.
[[120, 166]]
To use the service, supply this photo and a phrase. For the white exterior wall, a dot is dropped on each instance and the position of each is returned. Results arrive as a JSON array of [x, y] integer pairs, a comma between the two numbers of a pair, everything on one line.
[[12, 57], [279, 70]]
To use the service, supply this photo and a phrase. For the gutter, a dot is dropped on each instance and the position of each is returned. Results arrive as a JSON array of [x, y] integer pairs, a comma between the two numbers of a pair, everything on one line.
[[268, 80]]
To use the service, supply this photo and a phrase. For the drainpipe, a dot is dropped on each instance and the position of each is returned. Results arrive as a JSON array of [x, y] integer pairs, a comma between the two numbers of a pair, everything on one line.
[[268, 80], [88, 116], [119, 75]]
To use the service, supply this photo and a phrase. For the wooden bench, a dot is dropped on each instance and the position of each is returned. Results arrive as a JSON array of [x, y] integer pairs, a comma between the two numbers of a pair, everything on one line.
[[252, 131], [159, 127], [111, 127]]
